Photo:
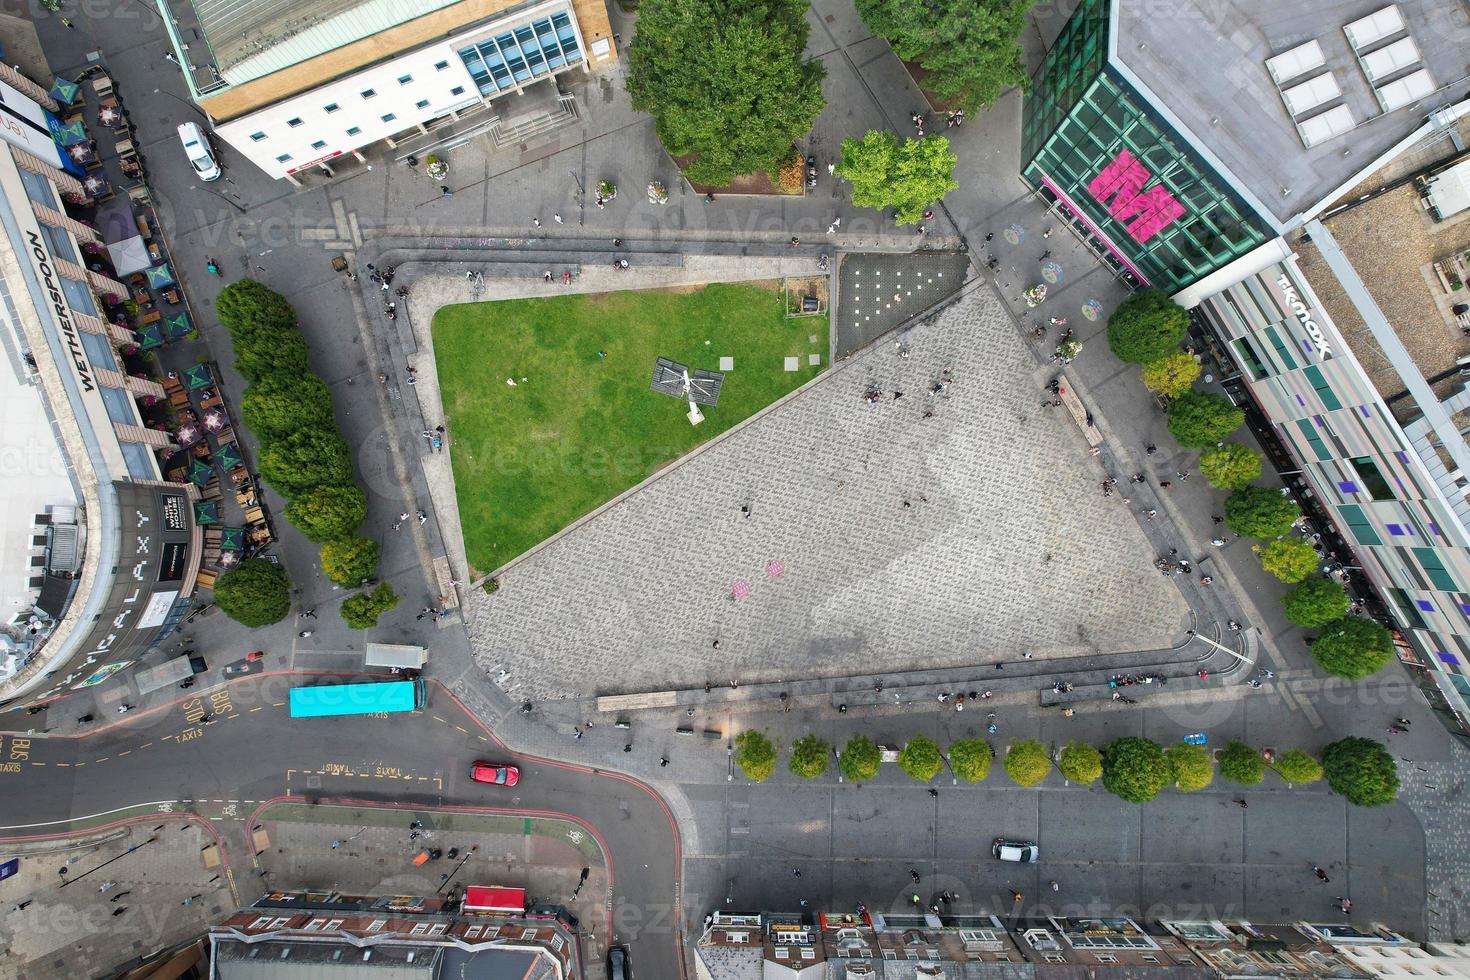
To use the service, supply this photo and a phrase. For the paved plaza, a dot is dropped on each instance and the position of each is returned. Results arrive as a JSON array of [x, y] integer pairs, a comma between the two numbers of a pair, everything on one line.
[[876, 534], [877, 292]]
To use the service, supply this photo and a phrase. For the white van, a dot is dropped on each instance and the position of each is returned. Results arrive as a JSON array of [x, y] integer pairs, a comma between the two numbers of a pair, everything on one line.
[[196, 148]]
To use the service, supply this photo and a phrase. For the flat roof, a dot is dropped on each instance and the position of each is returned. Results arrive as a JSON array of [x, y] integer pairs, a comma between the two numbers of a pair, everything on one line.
[[1205, 63]]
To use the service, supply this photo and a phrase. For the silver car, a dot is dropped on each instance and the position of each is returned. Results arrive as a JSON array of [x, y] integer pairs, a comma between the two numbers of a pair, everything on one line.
[[1020, 851]]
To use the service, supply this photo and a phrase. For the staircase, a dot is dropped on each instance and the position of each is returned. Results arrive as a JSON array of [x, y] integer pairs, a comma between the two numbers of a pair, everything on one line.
[[522, 130]]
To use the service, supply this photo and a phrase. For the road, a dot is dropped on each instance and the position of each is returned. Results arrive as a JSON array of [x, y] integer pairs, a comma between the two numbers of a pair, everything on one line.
[[250, 751]]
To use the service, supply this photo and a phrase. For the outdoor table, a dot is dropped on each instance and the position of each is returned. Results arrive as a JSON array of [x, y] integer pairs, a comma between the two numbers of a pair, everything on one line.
[[152, 316]]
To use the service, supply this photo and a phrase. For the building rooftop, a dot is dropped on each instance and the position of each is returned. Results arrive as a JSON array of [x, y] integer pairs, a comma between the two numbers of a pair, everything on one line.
[[1206, 63]]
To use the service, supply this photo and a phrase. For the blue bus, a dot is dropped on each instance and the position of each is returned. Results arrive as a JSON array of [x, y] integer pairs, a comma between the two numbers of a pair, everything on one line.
[[368, 698]]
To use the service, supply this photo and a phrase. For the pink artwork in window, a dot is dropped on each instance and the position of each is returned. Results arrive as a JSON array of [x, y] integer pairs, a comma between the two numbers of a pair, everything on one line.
[[1144, 213]]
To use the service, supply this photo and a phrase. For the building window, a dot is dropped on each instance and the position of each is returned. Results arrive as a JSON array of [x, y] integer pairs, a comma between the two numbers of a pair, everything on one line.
[[421, 104], [389, 117], [353, 131], [1397, 530], [1408, 609], [283, 158], [1282, 351], [330, 108], [440, 65], [1448, 658], [293, 123], [1250, 358], [1424, 605], [257, 137], [1429, 560], [1372, 478], [1309, 432], [457, 90], [405, 79], [318, 144], [369, 93], [1323, 389], [1358, 524], [1348, 486]]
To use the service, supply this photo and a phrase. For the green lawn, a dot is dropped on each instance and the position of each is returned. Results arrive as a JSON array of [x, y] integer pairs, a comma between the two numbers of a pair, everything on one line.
[[530, 459]]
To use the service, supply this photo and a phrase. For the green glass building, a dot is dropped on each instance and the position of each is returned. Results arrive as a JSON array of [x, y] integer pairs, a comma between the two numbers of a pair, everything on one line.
[[1107, 160]]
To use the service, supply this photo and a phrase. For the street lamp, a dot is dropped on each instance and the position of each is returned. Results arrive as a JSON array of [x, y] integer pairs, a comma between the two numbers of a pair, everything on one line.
[[184, 102], [1220, 646], [217, 194]]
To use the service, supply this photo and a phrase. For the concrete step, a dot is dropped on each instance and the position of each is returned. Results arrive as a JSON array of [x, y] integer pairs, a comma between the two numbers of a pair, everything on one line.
[[527, 130]]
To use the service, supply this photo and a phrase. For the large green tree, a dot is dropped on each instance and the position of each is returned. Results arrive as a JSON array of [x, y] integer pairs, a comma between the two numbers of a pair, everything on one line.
[[1080, 763], [970, 759], [306, 459], [328, 512], [1353, 647], [247, 304], [1191, 766], [1230, 466], [1361, 770], [1296, 766], [755, 754], [1146, 327], [971, 48], [1242, 764], [725, 81], [262, 328], [1134, 769], [1260, 512], [1289, 559], [1316, 602], [1027, 762], [254, 593], [809, 757], [351, 560], [906, 175], [361, 611], [1198, 420], [1171, 375], [860, 759], [920, 758], [280, 403]]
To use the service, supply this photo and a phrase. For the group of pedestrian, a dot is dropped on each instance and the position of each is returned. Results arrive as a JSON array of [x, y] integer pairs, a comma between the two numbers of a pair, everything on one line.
[[435, 437]]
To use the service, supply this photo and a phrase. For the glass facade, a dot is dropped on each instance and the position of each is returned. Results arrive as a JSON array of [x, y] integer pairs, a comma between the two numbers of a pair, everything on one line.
[[1089, 140], [521, 54]]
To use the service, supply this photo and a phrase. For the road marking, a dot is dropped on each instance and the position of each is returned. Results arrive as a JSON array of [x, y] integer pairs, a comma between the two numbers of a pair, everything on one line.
[[460, 730], [86, 816], [64, 765], [257, 708], [40, 763], [145, 745], [128, 752], [103, 759]]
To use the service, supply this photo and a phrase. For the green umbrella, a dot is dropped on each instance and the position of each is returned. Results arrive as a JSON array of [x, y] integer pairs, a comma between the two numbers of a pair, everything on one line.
[[66, 135], [228, 458], [176, 326], [206, 512], [64, 92], [232, 539], [197, 377], [200, 472], [149, 336], [160, 276]]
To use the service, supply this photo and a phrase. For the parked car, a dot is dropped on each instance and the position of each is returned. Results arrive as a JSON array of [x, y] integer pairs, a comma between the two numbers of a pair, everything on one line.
[[494, 773], [1020, 851], [617, 964], [198, 150]]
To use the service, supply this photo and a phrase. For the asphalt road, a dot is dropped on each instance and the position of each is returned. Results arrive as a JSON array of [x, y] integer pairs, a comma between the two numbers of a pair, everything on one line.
[[250, 751]]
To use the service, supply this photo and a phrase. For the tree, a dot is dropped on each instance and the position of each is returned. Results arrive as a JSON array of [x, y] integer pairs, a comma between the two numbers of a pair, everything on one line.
[[1361, 770], [1296, 766], [755, 755], [747, 96], [907, 176], [1230, 466], [1134, 769], [1289, 559], [1352, 647], [247, 304], [970, 759], [970, 50], [1191, 765], [809, 756], [351, 560], [1316, 602], [1027, 762], [1198, 420], [1260, 512], [920, 758], [1080, 763], [328, 512], [361, 611], [1242, 764], [265, 352], [1171, 375], [279, 403], [1147, 326], [306, 459], [254, 593], [859, 760]]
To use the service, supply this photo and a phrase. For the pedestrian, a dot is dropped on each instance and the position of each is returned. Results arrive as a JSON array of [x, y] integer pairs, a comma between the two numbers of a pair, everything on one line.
[[576, 733], [119, 895], [1404, 722], [422, 517], [1206, 579], [21, 906], [1321, 874], [1055, 887], [403, 516], [305, 633], [1217, 519], [831, 168], [1240, 803], [444, 191], [1027, 655], [1015, 896], [663, 762], [989, 235], [1217, 541], [557, 218], [422, 615], [309, 614], [438, 444], [795, 241], [169, 56], [1165, 484], [119, 911], [796, 872], [934, 793], [536, 222], [336, 844], [1182, 475], [397, 524], [1395, 730], [66, 22], [914, 874], [1150, 449]]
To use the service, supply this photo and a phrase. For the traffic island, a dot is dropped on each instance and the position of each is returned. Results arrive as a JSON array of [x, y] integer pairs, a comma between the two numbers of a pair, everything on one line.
[[362, 849]]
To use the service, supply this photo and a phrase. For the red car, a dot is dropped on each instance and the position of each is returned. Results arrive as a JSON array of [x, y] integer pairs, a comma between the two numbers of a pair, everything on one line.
[[494, 772]]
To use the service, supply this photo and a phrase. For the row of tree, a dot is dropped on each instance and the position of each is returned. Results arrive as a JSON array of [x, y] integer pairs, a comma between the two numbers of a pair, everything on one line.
[[302, 455], [1147, 329], [1131, 768], [728, 83]]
